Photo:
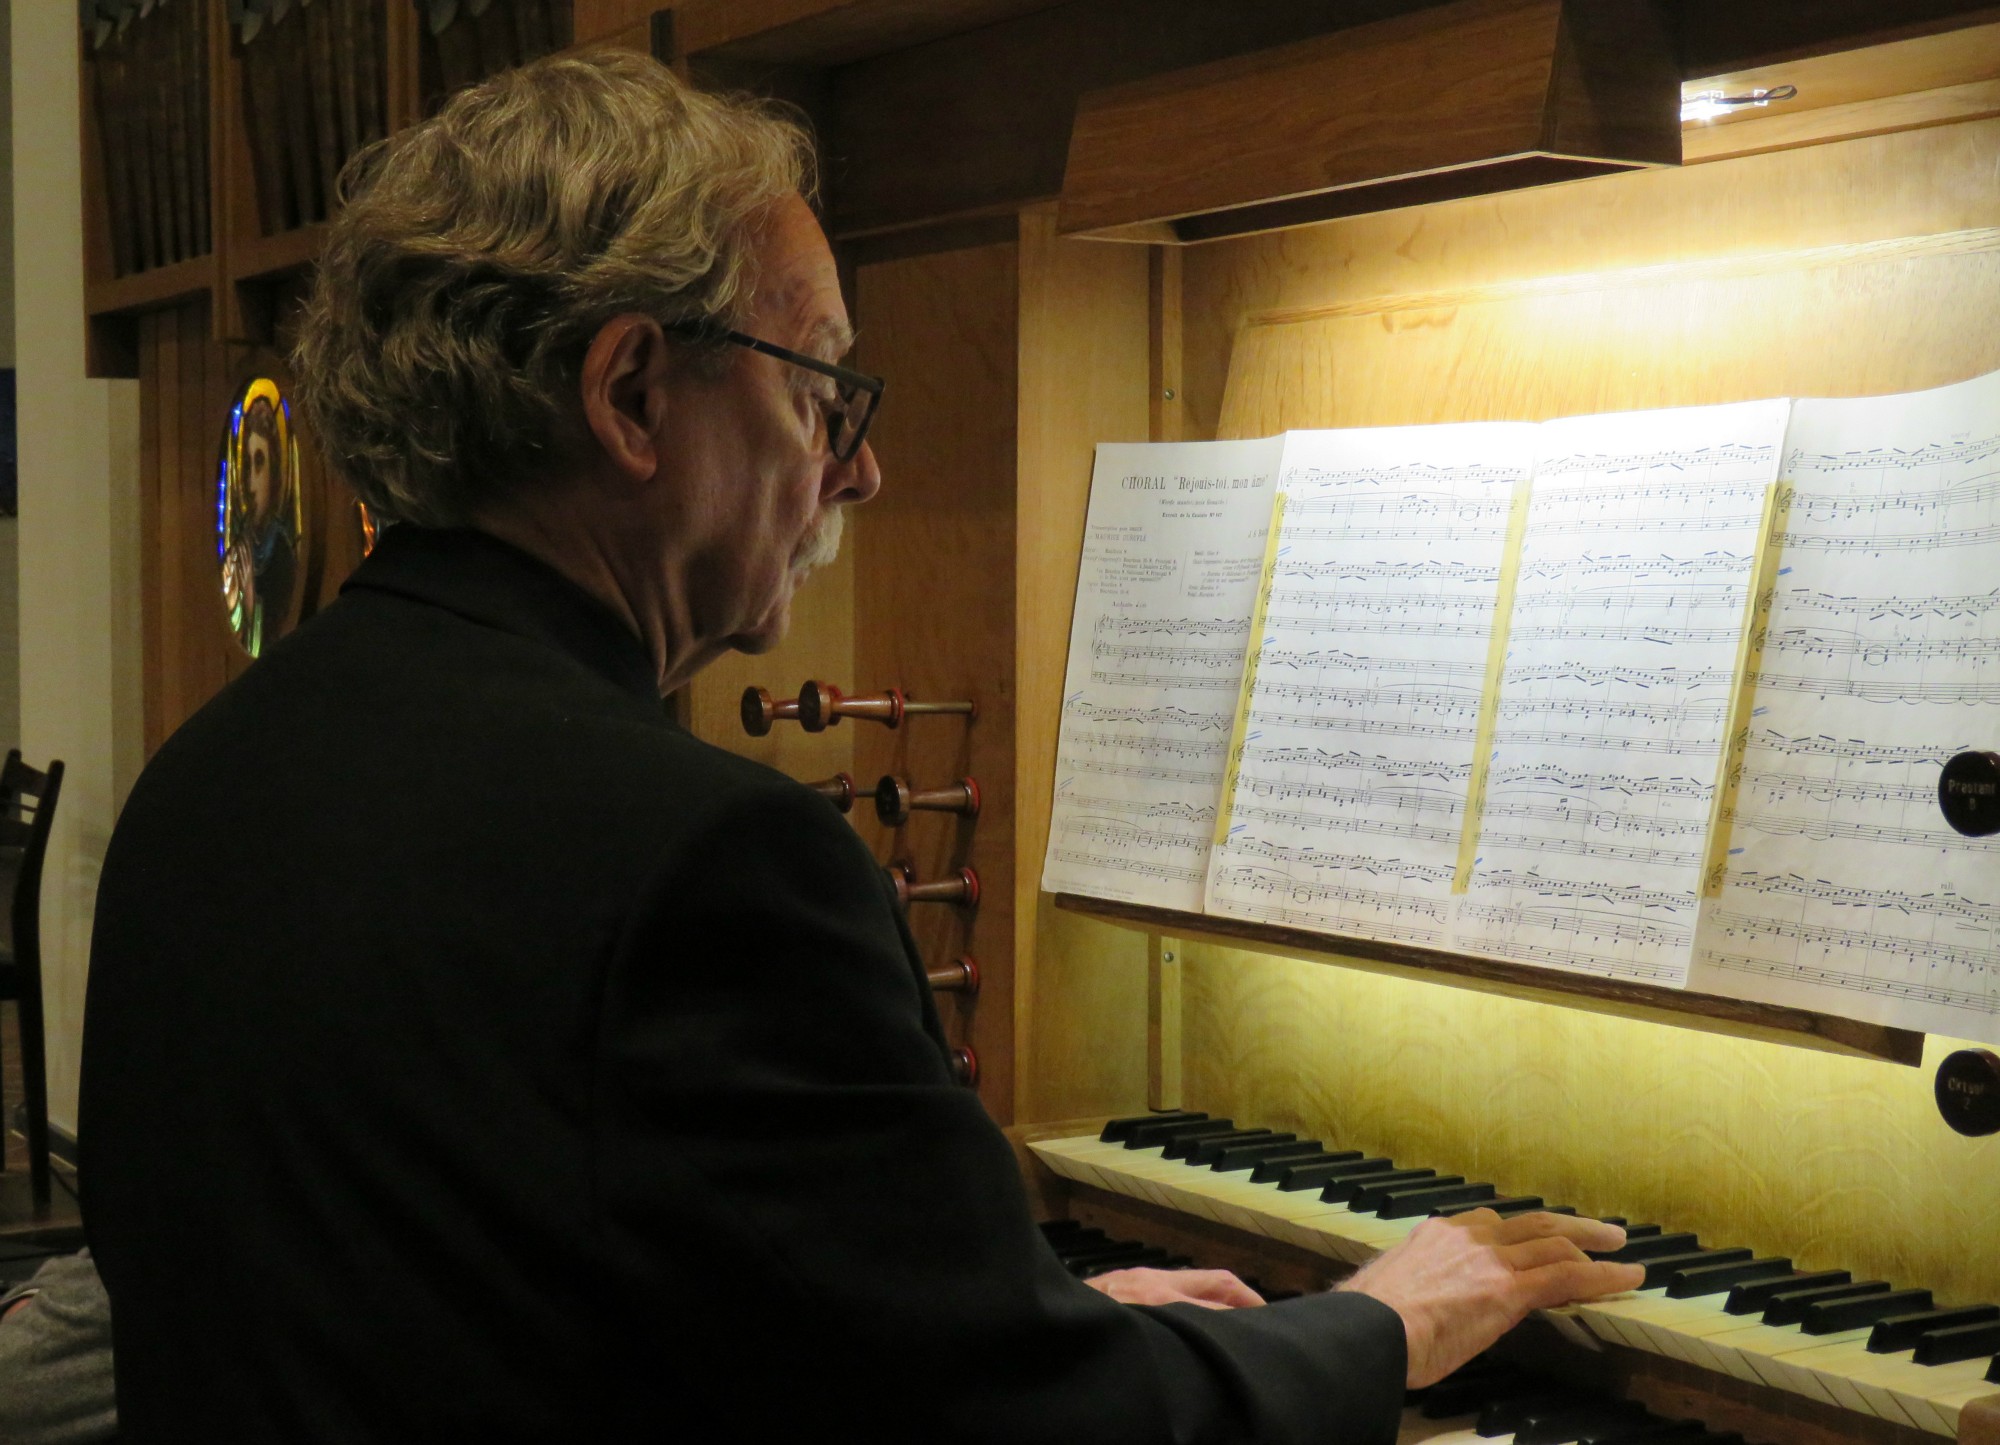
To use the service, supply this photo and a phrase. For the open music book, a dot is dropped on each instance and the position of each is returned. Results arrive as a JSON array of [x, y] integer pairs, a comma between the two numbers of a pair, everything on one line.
[[1659, 696]]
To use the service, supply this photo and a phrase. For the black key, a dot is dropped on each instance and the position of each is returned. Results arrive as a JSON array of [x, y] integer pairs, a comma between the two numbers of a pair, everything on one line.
[[1312, 1176], [1467, 1390], [1993, 1371], [1635, 1231], [1273, 1169], [1370, 1198], [1248, 1156], [1647, 1430], [1663, 1268], [1151, 1136], [1342, 1191], [1703, 1279], [1960, 1342], [1117, 1131], [1504, 1416], [1750, 1297], [1789, 1308], [1557, 1427], [1519, 1204], [1832, 1316], [1206, 1151], [1414, 1203], [1650, 1246], [1901, 1332], [1183, 1145], [1145, 1259]]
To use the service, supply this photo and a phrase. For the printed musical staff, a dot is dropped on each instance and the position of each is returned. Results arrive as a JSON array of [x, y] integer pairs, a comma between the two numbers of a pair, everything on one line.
[[1174, 550], [1378, 627], [1574, 869], [1845, 890]]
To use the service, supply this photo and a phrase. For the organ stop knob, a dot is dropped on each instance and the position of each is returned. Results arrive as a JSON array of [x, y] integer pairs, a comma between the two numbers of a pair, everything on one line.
[[759, 710], [959, 886], [837, 790], [895, 800], [965, 1066], [822, 705], [961, 975], [1969, 793]]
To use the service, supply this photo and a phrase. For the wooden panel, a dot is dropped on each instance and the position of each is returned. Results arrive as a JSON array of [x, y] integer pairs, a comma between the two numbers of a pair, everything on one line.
[[1341, 110], [830, 32], [1085, 378], [996, 106], [1900, 67], [1975, 100], [595, 20], [1863, 266], [1736, 1017], [1728, 35], [933, 559], [1835, 1161]]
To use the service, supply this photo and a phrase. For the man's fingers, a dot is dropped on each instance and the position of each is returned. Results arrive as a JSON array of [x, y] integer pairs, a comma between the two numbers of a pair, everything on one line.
[[1538, 1253], [1217, 1287], [1590, 1234], [1566, 1281]]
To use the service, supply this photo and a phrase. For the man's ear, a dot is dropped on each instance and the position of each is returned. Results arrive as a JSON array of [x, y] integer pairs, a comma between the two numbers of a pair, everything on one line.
[[625, 392]]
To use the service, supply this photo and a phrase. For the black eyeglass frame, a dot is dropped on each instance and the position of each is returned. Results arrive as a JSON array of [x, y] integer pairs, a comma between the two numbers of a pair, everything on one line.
[[851, 383]]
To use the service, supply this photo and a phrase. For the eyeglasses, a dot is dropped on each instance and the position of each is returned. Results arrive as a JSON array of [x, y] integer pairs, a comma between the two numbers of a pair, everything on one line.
[[856, 394]]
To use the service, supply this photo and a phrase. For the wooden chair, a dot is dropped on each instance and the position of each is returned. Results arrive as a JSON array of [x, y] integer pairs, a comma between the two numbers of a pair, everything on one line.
[[27, 808]]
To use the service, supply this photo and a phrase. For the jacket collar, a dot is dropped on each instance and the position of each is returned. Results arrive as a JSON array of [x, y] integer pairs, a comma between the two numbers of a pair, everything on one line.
[[488, 581]]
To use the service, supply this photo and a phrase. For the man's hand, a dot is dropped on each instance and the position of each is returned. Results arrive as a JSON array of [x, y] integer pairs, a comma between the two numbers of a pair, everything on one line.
[[1215, 1289], [1463, 1282]]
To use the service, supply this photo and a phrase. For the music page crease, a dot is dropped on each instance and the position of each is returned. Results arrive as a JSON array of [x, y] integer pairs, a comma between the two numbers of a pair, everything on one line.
[[1358, 744], [1630, 605], [1173, 552], [1846, 891]]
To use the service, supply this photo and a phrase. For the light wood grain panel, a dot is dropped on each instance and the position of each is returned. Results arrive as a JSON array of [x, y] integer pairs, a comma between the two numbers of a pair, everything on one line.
[[1898, 67], [1085, 378], [1881, 188], [934, 558], [1646, 290], [1839, 1162], [1974, 100]]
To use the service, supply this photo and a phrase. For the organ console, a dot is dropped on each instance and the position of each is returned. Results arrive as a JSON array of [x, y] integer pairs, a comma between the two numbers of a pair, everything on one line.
[[1740, 1340], [821, 706], [961, 975], [961, 886], [837, 790], [895, 800]]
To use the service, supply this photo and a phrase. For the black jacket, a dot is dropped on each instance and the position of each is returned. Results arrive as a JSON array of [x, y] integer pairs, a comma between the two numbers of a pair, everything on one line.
[[473, 1055]]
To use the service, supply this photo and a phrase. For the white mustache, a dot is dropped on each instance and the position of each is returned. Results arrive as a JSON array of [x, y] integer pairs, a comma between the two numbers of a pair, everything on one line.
[[822, 544]]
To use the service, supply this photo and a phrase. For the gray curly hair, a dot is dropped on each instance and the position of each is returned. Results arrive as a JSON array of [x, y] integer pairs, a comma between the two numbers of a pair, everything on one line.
[[439, 354]]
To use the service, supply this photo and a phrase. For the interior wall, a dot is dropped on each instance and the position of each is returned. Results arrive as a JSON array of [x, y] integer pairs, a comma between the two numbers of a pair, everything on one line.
[[10, 589], [78, 534], [1869, 266]]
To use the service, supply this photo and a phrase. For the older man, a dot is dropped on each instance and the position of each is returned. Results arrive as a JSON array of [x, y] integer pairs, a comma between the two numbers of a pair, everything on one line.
[[473, 1055]]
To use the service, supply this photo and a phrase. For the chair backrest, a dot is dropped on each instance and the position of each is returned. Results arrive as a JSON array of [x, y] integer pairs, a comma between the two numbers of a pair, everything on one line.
[[27, 811]]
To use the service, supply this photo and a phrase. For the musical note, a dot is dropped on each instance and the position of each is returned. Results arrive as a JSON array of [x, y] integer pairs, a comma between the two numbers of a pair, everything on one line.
[[1845, 890], [1379, 622], [1598, 868], [1173, 552]]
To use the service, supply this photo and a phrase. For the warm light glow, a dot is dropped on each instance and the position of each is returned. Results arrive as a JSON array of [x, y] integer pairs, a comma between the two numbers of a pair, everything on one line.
[[1708, 104]]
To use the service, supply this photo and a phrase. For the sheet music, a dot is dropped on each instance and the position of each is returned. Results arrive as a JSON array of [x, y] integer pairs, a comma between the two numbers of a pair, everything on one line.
[[1172, 556], [1846, 890], [1350, 791], [1628, 619]]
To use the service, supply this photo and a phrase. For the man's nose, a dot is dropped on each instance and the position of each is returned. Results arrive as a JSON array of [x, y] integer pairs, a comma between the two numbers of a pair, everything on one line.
[[854, 480]]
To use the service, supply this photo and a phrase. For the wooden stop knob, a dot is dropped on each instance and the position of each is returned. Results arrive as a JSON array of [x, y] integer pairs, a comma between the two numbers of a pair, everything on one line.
[[759, 710], [895, 800], [961, 886], [965, 1066], [837, 790], [961, 975]]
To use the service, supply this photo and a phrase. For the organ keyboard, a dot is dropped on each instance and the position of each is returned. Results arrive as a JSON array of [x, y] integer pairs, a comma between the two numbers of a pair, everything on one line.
[[1862, 1347]]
